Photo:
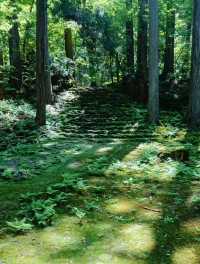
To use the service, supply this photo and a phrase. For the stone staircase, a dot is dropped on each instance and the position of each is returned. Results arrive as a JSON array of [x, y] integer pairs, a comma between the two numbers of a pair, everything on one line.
[[101, 114]]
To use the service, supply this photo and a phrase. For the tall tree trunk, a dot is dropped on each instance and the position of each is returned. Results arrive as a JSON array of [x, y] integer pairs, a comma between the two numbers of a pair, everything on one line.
[[168, 71], [187, 58], [69, 49], [129, 38], [84, 3], [1, 75], [142, 47], [117, 65], [1, 57], [111, 68], [153, 63], [15, 55], [195, 92], [43, 81]]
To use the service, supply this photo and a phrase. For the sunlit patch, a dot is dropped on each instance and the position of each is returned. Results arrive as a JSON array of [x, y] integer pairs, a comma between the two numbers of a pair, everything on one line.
[[192, 226], [144, 149], [74, 165], [56, 240], [117, 141], [135, 239], [148, 213], [104, 150], [165, 171], [121, 205], [187, 255], [24, 249], [34, 247], [97, 180]]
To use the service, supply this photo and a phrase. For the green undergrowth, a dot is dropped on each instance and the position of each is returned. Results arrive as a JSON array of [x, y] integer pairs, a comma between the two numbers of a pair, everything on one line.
[[129, 197]]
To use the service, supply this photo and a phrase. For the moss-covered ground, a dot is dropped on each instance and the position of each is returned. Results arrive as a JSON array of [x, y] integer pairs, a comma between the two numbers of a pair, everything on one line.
[[139, 194]]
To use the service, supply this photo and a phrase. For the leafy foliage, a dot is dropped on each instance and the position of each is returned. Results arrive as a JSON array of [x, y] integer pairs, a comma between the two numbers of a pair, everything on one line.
[[19, 226]]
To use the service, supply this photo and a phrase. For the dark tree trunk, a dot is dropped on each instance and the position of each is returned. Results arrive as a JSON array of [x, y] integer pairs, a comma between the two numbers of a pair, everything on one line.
[[168, 71], [84, 3], [195, 92], [91, 50], [69, 49], [111, 68], [117, 65], [1, 57], [153, 63], [43, 81], [1, 75], [15, 55], [187, 59], [142, 68], [129, 38]]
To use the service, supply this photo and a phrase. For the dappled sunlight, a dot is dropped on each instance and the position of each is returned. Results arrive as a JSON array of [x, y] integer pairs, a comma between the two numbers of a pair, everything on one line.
[[95, 181], [65, 232], [122, 200], [159, 171], [143, 150], [148, 213], [75, 165], [121, 205], [25, 249], [192, 226], [103, 150], [187, 255], [134, 238]]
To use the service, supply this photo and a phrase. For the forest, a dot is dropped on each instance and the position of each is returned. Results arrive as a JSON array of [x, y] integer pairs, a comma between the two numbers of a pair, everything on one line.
[[99, 132]]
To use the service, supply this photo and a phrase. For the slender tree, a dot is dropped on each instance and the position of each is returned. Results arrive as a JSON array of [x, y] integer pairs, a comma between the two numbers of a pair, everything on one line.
[[1, 57], [43, 82], [142, 68], [15, 54], [1, 75], [117, 66], [195, 91], [153, 63], [129, 37], [168, 71], [69, 49]]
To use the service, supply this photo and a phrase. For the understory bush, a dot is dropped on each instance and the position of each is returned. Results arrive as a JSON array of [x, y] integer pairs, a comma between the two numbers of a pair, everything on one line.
[[39, 209]]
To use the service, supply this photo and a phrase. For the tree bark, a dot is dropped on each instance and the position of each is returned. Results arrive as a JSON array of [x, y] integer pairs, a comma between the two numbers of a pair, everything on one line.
[[1, 57], [117, 65], [142, 50], [188, 48], [1, 75], [15, 55], [43, 81], [142, 40], [153, 63], [69, 49], [195, 92], [129, 38], [168, 71]]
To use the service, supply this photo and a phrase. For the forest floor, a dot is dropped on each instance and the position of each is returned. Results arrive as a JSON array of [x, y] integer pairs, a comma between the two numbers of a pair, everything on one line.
[[135, 191]]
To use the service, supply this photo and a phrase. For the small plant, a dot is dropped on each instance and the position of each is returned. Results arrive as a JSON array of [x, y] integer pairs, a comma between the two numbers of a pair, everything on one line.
[[39, 212], [196, 202], [80, 213], [8, 173], [19, 226], [92, 205], [148, 153], [99, 166]]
